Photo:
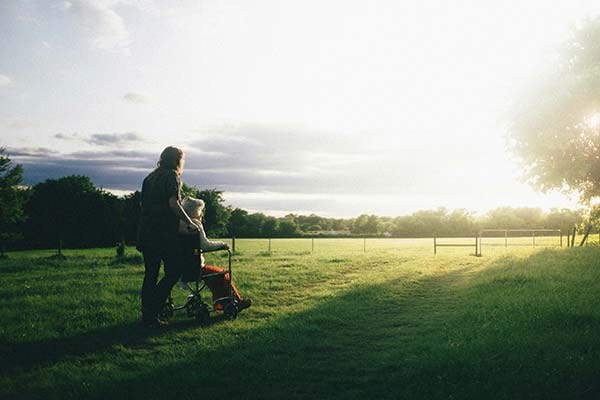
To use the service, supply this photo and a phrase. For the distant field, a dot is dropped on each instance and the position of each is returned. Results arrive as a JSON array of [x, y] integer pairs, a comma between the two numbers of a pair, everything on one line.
[[422, 246], [329, 322]]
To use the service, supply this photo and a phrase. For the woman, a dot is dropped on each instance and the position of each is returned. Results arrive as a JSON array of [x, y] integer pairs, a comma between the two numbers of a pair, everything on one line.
[[219, 284], [157, 234]]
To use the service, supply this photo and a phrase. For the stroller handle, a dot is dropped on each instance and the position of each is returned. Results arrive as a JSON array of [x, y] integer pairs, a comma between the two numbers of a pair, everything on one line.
[[228, 252]]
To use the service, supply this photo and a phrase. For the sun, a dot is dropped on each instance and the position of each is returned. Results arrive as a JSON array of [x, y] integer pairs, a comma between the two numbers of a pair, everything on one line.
[[593, 121]]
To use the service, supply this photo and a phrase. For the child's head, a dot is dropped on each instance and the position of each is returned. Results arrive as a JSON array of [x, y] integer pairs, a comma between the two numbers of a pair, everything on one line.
[[193, 207]]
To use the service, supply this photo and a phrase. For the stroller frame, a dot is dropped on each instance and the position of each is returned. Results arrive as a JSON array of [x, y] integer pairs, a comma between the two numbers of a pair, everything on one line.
[[194, 306]]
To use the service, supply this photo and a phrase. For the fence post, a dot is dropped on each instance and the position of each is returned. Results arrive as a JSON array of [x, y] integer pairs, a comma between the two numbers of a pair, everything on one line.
[[533, 237], [269, 245], [312, 248], [364, 245], [506, 239], [560, 231], [476, 251], [434, 244], [233, 244]]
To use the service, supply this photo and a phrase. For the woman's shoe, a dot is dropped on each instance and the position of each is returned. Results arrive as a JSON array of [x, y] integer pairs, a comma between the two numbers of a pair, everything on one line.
[[244, 304], [154, 322]]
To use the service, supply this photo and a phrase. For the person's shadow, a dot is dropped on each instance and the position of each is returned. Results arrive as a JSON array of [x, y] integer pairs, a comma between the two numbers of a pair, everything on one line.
[[21, 357]]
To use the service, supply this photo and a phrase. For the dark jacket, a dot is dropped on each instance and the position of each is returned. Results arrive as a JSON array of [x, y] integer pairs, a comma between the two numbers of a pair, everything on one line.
[[158, 224]]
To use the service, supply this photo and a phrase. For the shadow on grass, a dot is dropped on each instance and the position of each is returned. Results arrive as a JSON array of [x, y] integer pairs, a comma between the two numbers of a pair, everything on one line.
[[18, 358], [428, 339]]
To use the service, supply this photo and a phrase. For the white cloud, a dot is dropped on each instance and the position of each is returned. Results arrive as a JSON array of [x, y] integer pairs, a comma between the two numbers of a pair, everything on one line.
[[4, 81], [19, 124], [98, 18]]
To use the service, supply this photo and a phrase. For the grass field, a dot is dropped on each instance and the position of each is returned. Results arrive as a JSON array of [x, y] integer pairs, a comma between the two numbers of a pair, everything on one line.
[[333, 322]]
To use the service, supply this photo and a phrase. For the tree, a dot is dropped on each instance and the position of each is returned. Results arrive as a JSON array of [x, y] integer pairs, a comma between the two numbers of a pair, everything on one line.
[[131, 215], [11, 199], [288, 226], [460, 223], [255, 225], [365, 224], [310, 222], [563, 219], [237, 223], [72, 211], [216, 215], [556, 127], [270, 226]]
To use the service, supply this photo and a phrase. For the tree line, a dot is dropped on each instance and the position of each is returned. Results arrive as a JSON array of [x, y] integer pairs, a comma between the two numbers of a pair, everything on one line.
[[72, 212]]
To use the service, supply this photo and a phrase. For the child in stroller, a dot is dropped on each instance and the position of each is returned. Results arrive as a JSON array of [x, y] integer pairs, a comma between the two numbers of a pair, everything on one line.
[[194, 242]]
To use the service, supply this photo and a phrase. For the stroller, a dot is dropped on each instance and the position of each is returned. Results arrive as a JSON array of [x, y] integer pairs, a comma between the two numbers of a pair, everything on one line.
[[194, 306]]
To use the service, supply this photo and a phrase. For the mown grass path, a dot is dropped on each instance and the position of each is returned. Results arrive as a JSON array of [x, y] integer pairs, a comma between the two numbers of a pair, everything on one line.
[[392, 323]]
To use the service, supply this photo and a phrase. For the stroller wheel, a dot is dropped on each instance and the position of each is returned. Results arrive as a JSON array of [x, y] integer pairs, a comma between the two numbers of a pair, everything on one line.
[[202, 315], [230, 311]]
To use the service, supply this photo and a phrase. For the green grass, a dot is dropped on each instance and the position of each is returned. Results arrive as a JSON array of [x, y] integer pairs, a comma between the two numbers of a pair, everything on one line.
[[337, 322]]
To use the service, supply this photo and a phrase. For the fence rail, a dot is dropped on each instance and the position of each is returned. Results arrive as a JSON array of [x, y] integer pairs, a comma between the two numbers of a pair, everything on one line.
[[506, 237], [436, 245]]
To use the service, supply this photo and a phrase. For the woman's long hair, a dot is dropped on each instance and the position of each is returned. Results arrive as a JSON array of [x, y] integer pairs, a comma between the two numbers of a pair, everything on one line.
[[171, 158]]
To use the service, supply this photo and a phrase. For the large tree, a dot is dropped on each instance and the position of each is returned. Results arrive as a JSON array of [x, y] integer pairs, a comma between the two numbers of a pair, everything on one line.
[[556, 125], [11, 199], [72, 211]]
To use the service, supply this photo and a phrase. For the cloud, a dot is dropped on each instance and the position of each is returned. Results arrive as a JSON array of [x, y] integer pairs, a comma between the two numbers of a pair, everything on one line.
[[36, 152], [135, 98], [278, 148], [119, 169], [4, 81], [282, 168], [63, 136], [20, 124], [255, 158], [106, 28], [105, 139]]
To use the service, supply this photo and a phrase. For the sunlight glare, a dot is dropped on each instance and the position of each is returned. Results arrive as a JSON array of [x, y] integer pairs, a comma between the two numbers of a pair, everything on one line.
[[593, 121]]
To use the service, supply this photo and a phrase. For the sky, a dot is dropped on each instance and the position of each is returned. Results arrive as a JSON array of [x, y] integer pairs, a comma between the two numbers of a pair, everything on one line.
[[338, 108]]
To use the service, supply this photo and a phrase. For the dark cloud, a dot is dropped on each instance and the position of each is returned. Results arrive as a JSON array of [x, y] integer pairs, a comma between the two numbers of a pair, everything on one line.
[[100, 172], [295, 169], [37, 152], [63, 136], [125, 169], [106, 139], [132, 155], [110, 169]]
